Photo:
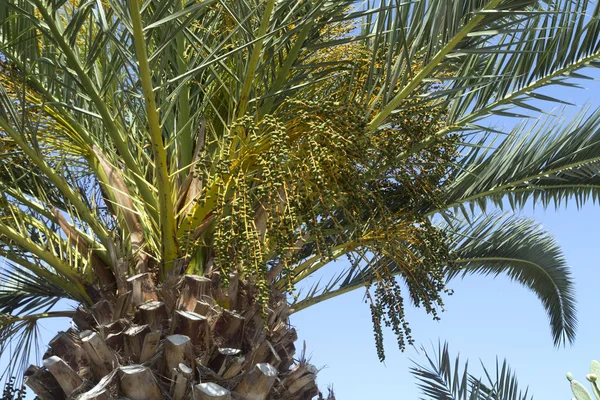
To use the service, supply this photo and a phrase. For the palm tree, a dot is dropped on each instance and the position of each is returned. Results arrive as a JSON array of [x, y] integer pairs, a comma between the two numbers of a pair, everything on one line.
[[176, 169], [442, 378]]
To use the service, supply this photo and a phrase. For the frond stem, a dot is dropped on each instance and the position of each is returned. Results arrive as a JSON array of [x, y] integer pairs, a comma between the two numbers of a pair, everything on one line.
[[254, 59], [424, 73], [458, 125], [8, 318], [502, 188], [59, 265], [301, 305], [80, 206], [111, 127], [163, 183]]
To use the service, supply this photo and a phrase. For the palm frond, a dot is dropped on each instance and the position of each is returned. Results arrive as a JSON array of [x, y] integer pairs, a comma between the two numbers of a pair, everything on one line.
[[544, 47], [479, 45], [25, 298], [491, 245], [20, 340], [525, 252], [441, 378], [24, 292], [545, 161]]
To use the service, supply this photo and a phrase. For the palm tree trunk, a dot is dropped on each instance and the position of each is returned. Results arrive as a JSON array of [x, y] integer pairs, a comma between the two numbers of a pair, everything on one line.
[[190, 338]]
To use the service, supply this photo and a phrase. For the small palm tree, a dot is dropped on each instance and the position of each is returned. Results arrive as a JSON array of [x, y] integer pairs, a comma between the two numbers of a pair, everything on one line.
[[175, 169], [442, 378]]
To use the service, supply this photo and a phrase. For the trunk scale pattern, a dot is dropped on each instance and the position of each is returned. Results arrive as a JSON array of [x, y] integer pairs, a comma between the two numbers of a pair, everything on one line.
[[189, 338]]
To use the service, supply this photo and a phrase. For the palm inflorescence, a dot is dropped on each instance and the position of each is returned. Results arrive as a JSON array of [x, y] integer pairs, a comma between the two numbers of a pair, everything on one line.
[[253, 142]]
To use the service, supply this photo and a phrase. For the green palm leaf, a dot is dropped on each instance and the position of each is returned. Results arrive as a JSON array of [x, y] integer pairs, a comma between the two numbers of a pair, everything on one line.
[[527, 254], [441, 378], [491, 245], [26, 298], [268, 138], [545, 162], [562, 43], [24, 292]]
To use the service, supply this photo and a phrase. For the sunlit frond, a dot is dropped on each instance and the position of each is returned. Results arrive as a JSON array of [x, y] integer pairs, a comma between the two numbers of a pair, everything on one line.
[[547, 162], [261, 140], [441, 378]]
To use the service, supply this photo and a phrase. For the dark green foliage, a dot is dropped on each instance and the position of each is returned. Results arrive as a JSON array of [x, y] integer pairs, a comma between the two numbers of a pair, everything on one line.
[[526, 253]]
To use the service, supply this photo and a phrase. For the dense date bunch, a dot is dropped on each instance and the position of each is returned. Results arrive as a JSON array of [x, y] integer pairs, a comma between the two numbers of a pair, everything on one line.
[[310, 182], [295, 169], [412, 186], [424, 277]]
